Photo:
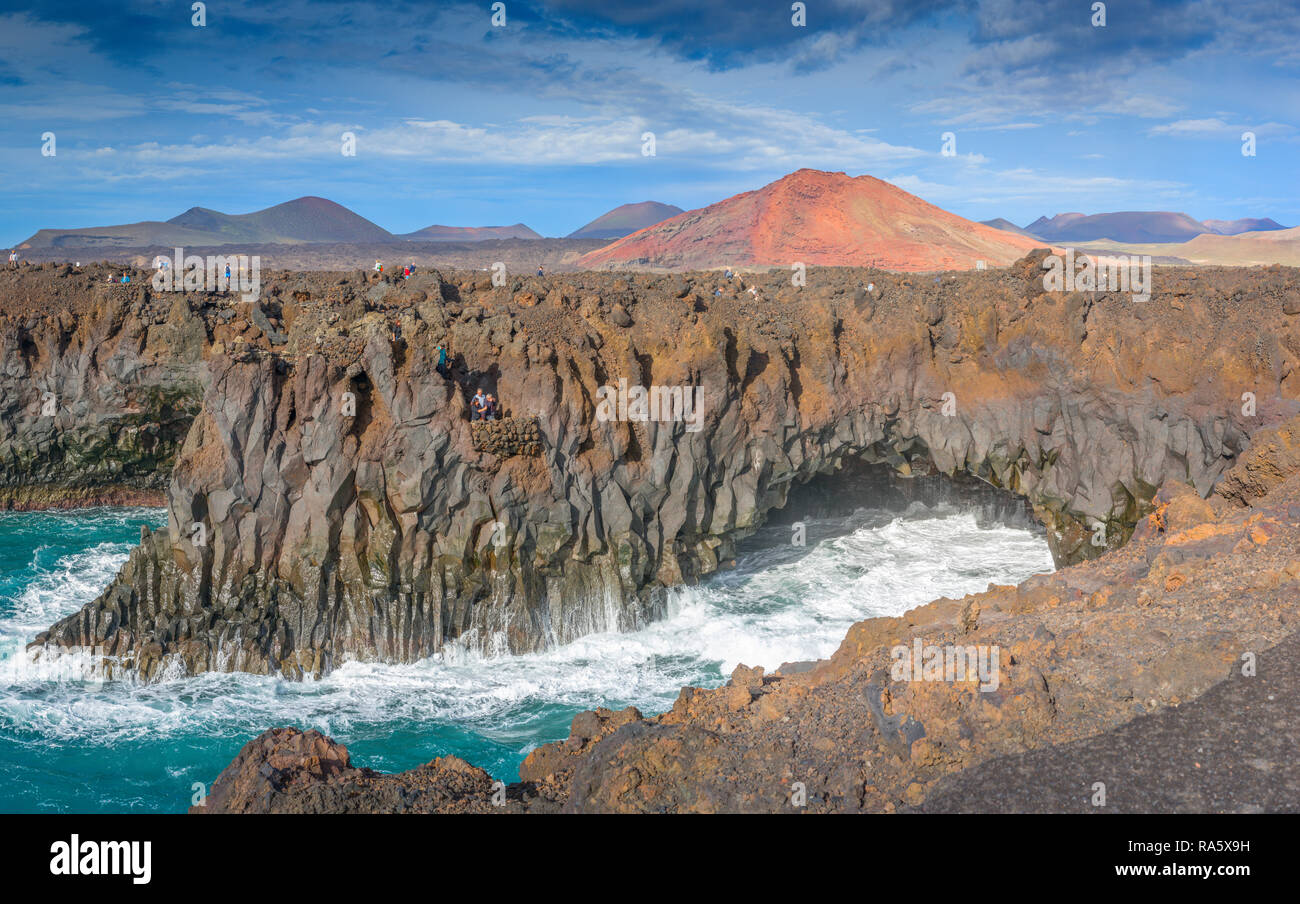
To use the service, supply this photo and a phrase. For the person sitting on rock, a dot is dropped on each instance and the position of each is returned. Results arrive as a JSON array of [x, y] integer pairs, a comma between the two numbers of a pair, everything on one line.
[[126, 277], [718, 290], [493, 412], [478, 407], [728, 274]]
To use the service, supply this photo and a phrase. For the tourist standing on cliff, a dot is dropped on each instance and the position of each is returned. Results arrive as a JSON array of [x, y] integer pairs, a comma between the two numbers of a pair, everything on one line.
[[540, 272], [442, 362], [13, 260]]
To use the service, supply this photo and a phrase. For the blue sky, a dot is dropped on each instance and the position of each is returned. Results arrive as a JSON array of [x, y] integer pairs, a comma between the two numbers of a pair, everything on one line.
[[459, 122]]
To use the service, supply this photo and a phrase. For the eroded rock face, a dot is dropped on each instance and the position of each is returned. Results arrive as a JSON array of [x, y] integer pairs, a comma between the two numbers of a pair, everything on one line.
[[330, 502], [99, 385], [1202, 589]]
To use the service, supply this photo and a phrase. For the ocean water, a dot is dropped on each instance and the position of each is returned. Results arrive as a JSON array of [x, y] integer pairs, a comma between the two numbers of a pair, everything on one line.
[[71, 745]]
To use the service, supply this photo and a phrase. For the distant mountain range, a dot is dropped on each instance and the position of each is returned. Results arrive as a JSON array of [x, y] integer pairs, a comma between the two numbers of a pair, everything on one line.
[[809, 216], [626, 220], [469, 233], [317, 220], [1237, 227], [1131, 227], [304, 220], [815, 218], [1245, 249]]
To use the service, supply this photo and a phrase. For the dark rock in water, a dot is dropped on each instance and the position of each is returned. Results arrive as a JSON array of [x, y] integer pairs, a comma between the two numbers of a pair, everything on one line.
[[332, 500]]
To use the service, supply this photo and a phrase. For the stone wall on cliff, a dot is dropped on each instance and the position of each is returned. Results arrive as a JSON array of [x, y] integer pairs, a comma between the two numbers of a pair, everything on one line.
[[329, 501]]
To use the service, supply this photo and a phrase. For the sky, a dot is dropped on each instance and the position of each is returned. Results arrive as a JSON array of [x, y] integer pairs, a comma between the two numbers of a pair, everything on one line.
[[540, 120]]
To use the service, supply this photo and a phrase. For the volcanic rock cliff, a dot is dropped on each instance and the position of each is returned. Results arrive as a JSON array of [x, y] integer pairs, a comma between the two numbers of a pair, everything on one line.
[[330, 500], [1112, 650], [101, 382]]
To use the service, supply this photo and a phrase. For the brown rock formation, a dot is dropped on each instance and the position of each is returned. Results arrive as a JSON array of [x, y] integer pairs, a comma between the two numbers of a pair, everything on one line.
[[289, 771]]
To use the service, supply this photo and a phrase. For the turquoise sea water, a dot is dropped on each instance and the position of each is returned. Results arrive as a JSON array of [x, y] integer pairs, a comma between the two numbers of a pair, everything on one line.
[[69, 744]]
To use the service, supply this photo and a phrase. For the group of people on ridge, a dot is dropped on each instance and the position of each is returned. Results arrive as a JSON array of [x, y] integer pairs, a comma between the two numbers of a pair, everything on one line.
[[407, 272], [730, 275]]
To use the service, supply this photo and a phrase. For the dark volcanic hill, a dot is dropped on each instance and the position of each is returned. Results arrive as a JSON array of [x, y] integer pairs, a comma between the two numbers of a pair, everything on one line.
[[1131, 226], [303, 220], [1237, 227], [469, 233], [815, 218], [1007, 226], [625, 220]]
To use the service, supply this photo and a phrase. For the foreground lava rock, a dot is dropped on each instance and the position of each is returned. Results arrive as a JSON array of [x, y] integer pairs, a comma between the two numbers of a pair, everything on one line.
[[1203, 588], [289, 771], [329, 500]]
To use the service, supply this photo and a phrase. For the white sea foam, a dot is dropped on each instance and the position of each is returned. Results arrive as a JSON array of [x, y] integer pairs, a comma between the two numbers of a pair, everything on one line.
[[778, 604], [79, 577]]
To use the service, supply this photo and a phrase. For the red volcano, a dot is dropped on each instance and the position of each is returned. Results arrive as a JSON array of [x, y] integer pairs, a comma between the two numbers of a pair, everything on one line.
[[815, 218]]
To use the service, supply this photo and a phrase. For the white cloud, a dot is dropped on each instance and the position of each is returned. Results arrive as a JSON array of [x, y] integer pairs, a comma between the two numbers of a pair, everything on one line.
[[1215, 127]]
